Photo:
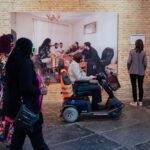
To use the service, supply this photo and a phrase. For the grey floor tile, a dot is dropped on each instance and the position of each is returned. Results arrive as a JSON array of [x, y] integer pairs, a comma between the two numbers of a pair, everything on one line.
[[93, 142], [128, 118], [122, 148], [130, 136], [64, 133], [143, 146]]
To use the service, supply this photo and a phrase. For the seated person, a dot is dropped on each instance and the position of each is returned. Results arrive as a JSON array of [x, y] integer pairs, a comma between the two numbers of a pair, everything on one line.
[[80, 50], [74, 47], [76, 73]]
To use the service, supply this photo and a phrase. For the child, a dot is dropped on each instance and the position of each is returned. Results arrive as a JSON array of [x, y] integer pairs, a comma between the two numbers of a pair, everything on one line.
[[40, 80]]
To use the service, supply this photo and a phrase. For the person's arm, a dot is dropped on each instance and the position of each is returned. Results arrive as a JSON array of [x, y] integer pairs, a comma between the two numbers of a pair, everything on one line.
[[129, 61], [26, 78], [145, 61]]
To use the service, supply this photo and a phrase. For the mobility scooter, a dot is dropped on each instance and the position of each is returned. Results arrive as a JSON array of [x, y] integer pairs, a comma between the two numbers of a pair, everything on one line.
[[77, 103]]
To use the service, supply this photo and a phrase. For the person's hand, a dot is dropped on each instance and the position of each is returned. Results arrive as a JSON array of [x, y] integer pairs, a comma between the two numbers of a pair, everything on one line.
[[44, 90], [92, 77], [94, 81]]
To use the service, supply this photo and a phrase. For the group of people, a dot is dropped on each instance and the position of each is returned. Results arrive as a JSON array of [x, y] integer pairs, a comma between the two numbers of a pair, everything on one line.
[[23, 83], [89, 54]]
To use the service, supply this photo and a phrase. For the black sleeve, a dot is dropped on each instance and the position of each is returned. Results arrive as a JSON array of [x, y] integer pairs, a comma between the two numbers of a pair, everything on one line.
[[94, 56], [25, 80]]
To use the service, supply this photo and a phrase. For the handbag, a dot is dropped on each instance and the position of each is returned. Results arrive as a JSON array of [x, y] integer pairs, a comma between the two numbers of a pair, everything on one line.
[[25, 119]]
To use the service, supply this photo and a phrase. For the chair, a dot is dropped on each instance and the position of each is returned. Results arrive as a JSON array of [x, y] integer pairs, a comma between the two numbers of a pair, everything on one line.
[[107, 56]]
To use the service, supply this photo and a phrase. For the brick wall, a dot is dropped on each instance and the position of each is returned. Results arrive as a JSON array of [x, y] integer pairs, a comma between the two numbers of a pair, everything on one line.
[[134, 17]]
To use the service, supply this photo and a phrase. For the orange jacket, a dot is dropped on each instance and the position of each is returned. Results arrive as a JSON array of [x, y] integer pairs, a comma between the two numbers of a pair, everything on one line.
[[66, 85]]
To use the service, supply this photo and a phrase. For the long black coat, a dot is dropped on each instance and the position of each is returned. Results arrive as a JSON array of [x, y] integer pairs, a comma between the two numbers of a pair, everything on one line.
[[21, 82]]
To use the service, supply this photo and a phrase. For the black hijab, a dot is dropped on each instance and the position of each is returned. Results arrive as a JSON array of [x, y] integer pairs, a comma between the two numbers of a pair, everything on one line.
[[20, 53]]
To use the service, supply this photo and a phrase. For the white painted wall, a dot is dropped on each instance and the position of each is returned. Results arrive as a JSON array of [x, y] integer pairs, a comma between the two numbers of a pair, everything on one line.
[[105, 36], [57, 32], [22, 23], [37, 30]]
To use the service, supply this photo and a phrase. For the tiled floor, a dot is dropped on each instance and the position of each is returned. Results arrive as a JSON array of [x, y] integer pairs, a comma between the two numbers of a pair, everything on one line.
[[130, 132]]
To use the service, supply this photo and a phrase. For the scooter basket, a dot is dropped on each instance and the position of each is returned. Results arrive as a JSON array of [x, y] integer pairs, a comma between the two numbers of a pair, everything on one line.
[[113, 82]]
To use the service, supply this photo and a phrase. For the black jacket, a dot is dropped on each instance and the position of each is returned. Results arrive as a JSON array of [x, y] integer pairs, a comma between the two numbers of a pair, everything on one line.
[[93, 59], [21, 83]]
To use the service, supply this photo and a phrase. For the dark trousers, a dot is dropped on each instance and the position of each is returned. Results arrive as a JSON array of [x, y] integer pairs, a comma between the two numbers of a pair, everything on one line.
[[89, 89], [36, 138], [134, 78]]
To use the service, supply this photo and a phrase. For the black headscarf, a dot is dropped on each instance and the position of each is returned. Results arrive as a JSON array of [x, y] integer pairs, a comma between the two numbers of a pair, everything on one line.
[[23, 47], [20, 53]]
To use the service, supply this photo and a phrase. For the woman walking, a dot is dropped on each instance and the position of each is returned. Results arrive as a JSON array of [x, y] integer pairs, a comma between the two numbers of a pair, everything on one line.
[[137, 64], [23, 88]]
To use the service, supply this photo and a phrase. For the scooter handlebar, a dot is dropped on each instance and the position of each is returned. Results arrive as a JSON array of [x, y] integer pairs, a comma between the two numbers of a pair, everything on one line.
[[101, 76]]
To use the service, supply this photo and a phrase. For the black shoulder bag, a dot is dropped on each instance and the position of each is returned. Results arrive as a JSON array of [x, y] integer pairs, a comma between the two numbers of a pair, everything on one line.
[[25, 119]]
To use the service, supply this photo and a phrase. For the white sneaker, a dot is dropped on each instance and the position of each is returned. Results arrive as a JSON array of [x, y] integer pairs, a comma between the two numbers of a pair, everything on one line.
[[133, 103], [140, 103]]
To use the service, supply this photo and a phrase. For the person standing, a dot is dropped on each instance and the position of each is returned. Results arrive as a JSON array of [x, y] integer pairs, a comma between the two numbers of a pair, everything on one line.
[[137, 64], [44, 51], [23, 87], [91, 56]]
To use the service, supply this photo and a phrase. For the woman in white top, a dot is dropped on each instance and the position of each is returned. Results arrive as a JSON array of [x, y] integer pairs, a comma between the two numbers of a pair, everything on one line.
[[91, 87], [137, 64]]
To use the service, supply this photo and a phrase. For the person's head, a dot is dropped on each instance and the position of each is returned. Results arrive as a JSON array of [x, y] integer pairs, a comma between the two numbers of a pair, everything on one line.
[[56, 45], [61, 45], [46, 43], [6, 44], [24, 46], [76, 44], [139, 46], [87, 45], [77, 57]]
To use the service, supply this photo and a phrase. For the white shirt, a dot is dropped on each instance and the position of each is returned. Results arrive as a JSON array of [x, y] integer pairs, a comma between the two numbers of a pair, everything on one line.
[[55, 51], [76, 73]]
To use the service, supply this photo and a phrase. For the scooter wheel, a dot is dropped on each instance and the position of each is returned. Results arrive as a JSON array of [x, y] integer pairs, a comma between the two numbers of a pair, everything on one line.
[[115, 114], [70, 114]]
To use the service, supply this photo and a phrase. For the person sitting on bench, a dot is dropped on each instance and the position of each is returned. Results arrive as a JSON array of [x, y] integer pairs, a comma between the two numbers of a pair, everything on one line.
[[83, 83]]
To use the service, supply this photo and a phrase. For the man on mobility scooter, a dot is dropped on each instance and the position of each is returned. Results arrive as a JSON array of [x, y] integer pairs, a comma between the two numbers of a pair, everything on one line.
[[76, 100]]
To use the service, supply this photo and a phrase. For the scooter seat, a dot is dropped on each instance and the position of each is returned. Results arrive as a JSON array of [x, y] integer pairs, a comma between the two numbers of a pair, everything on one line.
[[81, 81], [78, 98]]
